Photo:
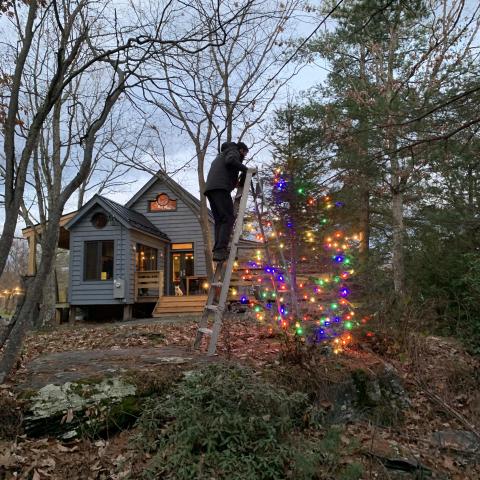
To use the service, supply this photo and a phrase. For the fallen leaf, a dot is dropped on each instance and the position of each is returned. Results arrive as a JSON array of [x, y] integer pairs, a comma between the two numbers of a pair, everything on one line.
[[7, 461], [63, 448], [47, 462]]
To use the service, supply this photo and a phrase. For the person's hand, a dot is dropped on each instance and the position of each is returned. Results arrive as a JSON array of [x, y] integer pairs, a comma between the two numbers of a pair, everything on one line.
[[253, 171]]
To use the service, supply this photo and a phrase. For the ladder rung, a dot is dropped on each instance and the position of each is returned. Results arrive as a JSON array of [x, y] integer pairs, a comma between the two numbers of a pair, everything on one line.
[[216, 284], [205, 331]]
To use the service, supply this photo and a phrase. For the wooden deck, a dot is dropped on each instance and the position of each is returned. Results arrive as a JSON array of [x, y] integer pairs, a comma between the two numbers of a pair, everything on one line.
[[170, 305]]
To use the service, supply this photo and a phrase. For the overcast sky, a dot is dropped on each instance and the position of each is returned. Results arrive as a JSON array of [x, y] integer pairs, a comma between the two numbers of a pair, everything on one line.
[[179, 150]]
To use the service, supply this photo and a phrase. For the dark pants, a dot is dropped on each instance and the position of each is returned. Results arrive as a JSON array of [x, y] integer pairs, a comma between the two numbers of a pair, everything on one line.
[[221, 204]]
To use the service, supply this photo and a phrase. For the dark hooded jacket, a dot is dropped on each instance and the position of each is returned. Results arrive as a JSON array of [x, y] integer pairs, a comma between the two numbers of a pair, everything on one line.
[[223, 174]]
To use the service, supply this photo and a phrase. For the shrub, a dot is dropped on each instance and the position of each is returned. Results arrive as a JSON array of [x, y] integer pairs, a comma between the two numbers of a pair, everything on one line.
[[221, 422], [225, 422]]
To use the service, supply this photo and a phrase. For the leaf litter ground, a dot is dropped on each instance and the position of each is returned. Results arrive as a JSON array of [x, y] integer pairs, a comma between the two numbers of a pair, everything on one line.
[[439, 430]]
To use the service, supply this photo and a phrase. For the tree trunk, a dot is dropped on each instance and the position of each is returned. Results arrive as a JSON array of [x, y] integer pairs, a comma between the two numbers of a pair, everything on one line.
[[362, 155], [207, 240], [293, 274], [364, 225], [6, 240], [397, 249], [204, 221], [46, 315], [23, 318], [81, 195]]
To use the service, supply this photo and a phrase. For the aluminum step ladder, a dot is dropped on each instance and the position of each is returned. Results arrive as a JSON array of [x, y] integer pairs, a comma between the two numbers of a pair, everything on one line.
[[217, 300]]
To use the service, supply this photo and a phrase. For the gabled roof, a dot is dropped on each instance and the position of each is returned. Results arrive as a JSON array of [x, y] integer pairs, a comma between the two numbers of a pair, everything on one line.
[[129, 218], [190, 200]]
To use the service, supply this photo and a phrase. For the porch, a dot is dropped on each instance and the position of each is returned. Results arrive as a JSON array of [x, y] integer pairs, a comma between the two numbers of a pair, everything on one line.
[[150, 288]]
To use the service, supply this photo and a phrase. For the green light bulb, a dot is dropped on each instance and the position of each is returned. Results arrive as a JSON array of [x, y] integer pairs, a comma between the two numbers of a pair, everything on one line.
[[348, 325], [334, 306]]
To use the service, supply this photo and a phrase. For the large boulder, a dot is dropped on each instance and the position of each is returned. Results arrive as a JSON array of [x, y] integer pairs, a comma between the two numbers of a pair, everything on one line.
[[87, 407]]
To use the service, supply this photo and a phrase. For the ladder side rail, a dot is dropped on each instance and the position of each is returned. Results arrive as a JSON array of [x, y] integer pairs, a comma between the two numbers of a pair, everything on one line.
[[234, 241], [203, 323], [223, 273], [242, 206]]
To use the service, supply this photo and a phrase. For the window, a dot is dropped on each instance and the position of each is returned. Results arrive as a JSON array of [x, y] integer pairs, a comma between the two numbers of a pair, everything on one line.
[[182, 246], [99, 220], [98, 260], [146, 258]]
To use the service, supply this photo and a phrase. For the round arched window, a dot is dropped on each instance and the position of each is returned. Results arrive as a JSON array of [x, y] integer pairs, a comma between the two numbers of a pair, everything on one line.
[[99, 220]]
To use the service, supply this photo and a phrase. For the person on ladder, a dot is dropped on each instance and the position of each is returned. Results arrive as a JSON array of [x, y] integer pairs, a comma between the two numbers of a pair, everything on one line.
[[222, 179]]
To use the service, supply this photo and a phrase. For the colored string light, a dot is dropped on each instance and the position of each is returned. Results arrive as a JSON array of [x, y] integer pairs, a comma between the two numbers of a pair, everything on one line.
[[324, 312]]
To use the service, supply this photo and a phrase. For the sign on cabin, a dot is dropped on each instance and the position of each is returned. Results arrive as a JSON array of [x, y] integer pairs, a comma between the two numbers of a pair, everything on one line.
[[163, 203]]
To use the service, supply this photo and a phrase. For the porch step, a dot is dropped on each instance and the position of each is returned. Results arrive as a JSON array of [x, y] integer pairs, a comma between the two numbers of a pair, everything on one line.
[[179, 305]]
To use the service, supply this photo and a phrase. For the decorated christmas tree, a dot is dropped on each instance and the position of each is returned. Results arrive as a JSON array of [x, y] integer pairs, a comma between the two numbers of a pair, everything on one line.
[[301, 283]]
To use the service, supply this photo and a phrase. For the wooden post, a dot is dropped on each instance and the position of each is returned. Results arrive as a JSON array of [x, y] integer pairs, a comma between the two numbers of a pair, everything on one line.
[[135, 286], [72, 314], [32, 254], [127, 313], [160, 283]]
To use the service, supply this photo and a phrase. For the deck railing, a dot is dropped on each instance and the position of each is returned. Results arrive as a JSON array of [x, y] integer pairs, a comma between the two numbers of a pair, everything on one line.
[[146, 282]]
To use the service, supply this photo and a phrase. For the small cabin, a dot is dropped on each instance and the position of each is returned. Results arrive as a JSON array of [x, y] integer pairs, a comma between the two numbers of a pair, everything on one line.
[[148, 251]]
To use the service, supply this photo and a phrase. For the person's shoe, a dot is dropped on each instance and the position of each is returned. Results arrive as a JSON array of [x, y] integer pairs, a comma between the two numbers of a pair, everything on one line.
[[220, 255]]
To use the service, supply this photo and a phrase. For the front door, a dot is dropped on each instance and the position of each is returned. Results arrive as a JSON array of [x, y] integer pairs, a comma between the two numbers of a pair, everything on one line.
[[182, 267]]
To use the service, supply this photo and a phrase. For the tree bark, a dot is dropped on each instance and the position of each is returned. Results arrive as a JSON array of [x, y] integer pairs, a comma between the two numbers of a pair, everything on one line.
[[204, 221], [364, 225], [46, 314], [81, 195], [397, 247], [23, 318], [293, 273]]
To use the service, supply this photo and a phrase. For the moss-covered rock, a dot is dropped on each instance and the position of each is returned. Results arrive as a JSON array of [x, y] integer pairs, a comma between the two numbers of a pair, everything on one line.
[[81, 408]]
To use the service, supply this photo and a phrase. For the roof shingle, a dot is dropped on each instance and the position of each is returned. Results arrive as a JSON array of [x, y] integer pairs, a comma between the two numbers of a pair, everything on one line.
[[135, 219]]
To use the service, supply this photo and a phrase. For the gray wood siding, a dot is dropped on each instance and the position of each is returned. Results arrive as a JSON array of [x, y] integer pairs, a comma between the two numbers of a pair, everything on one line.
[[99, 292], [181, 225], [138, 237]]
